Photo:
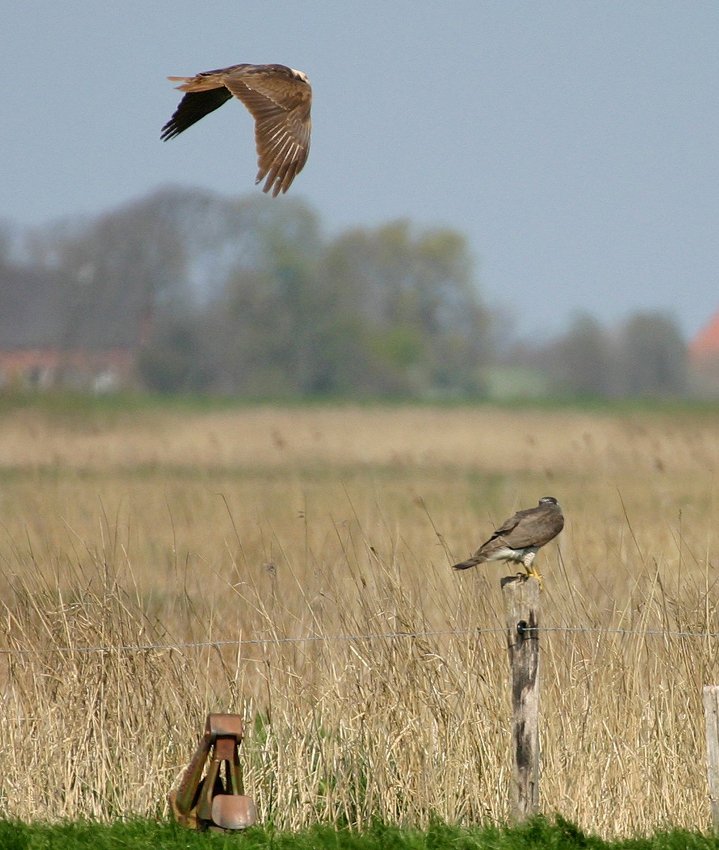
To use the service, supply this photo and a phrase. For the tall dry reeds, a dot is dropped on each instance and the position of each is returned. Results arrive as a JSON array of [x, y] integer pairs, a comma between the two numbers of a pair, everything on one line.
[[146, 539]]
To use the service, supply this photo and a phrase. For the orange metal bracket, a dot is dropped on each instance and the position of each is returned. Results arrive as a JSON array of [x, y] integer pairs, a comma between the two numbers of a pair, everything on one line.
[[217, 800]]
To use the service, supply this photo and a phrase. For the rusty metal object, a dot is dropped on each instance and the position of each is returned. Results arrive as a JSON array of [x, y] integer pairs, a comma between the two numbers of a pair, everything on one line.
[[217, 800]]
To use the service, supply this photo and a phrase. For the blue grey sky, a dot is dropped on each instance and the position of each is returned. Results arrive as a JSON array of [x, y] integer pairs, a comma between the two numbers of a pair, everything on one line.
[[574, 143]]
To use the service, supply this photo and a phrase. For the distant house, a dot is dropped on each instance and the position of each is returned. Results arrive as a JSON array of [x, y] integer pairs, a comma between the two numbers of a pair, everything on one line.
[[704, 358], [56, 333]]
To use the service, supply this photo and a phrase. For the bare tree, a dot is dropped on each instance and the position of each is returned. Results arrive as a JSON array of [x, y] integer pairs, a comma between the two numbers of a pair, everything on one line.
[[652, 356], [582, 359], [242, 295]]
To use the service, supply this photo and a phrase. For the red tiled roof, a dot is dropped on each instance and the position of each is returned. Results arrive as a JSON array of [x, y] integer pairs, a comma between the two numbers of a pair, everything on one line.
[[706, 342]]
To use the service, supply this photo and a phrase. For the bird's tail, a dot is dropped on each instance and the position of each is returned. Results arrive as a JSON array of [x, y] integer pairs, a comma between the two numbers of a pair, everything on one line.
[[201, 82], [470, 562]]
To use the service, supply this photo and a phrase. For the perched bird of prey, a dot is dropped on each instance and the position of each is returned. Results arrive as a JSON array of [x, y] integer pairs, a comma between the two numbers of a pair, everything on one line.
[[278, 98], [520, 537]]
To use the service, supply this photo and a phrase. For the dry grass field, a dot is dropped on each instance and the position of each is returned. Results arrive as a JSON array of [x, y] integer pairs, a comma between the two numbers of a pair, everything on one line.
[[314, 534]]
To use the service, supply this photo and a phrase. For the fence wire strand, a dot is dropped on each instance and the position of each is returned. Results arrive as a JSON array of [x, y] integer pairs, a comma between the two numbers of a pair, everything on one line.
[[147, 647]]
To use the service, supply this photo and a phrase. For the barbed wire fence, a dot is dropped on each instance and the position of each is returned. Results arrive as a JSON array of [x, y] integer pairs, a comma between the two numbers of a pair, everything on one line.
[[517, 629], [263, 641]]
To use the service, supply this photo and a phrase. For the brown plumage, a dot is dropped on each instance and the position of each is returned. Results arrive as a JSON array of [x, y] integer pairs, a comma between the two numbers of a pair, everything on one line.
[[520, 537], [278, 98]]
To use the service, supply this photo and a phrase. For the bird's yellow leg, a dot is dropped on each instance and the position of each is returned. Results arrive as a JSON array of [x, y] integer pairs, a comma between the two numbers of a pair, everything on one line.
[[534, 573]]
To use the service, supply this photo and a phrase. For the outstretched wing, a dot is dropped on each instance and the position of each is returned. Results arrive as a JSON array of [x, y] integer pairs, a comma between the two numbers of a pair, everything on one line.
[[280, 101], [278, 98], [193, 106]]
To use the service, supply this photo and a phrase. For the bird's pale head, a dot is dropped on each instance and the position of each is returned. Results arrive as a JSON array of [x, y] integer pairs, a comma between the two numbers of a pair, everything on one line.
[[300, 75], [548, 500]]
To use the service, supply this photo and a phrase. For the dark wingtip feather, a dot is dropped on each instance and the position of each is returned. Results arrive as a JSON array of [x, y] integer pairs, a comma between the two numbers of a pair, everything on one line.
[[193, 106], [169, 131]]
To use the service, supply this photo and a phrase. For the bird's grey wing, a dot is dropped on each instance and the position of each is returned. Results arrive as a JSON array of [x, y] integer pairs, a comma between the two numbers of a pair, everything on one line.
[[496, 542], [506, 527], [549, 527], [535, 528], [280, 105]]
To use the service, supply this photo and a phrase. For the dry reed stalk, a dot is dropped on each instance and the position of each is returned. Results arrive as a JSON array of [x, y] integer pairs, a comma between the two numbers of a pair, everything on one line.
[[373, 726]]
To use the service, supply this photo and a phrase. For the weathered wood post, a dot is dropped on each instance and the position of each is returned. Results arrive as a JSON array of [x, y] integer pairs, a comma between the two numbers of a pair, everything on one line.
[[521, 606], [711, 715]]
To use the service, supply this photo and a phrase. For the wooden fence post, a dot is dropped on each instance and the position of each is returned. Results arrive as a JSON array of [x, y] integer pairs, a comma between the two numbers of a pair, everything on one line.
[[711, 715], [521, 606]]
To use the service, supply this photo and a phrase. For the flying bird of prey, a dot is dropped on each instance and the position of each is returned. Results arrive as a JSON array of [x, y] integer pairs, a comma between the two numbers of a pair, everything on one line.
[[278, 98], [520, 537]]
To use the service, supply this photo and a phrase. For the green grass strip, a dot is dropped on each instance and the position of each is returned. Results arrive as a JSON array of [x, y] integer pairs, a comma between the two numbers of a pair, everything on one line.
[[556, 834]]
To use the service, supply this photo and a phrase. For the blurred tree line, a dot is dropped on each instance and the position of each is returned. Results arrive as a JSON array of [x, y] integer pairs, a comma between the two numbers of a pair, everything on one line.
[[643, 356], [247, 296]]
